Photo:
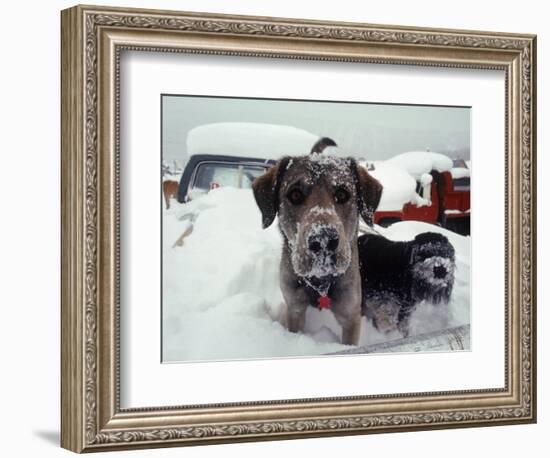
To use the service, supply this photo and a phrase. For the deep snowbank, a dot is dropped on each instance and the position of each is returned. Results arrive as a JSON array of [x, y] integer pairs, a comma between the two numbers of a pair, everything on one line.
[[221, 296]]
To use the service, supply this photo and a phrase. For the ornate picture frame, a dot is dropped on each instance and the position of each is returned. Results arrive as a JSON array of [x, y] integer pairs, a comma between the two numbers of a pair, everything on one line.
[[93, 39]]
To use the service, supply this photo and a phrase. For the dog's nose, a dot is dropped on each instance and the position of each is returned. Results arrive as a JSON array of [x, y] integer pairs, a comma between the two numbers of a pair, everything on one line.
[[440, 272], [324, 239]]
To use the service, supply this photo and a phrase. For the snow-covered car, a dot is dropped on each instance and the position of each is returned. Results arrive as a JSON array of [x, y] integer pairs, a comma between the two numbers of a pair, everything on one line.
[[235, 153], [423, 186]]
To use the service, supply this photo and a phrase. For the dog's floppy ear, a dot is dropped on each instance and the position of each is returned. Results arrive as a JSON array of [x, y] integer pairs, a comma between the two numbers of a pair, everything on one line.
[[369, 192], [266, 191]]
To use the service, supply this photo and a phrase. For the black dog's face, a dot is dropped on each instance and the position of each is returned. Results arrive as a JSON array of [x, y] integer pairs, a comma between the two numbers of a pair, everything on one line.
[[432, 266]]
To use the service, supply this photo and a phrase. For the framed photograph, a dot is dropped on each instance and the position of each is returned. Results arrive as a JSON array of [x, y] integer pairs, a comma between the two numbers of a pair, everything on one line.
[[277, 228]]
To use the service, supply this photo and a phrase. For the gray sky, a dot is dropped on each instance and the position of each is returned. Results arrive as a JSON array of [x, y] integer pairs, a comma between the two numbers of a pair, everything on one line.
[[371, 131]]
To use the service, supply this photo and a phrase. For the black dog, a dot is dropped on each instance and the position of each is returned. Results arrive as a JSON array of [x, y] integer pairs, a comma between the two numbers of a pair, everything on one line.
[[396, 276]]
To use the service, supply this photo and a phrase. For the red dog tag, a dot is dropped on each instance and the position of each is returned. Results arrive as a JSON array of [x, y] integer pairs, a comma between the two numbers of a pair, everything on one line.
[[324, 302]]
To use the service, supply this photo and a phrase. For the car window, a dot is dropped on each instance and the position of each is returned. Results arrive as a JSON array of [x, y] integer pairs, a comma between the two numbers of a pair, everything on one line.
[[214, 175], [461, 184]]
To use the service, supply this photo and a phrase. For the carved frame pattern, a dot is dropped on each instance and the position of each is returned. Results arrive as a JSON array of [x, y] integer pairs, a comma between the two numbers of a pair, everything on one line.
[[82, 58]]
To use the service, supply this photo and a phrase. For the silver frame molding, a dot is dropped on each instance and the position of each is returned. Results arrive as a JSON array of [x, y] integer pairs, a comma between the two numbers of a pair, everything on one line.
[[92, 39]]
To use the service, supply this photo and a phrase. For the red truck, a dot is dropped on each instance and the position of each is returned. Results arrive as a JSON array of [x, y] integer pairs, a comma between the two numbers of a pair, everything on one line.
[[445, 201]]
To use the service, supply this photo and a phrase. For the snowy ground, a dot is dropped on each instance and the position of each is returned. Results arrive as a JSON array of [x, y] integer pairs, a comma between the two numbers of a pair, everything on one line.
[[221, 296]]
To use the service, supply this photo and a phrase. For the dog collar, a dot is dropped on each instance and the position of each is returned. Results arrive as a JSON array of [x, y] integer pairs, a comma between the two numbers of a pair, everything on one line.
[[323, 299], [324, 302]]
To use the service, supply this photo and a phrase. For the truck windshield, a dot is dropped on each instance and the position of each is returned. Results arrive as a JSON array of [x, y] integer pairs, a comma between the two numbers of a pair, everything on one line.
[[214, 175], [461, 184]]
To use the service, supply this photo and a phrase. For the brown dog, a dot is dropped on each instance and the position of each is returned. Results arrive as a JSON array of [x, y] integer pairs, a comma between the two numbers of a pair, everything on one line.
[[170, 190], [318, 200]]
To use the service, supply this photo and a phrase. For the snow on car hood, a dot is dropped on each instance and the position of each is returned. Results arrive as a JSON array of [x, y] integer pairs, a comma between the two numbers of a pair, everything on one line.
[[258, 140]]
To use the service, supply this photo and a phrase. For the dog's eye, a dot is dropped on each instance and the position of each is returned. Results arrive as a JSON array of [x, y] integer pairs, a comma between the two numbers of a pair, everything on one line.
[[296, 196], [341, 196]]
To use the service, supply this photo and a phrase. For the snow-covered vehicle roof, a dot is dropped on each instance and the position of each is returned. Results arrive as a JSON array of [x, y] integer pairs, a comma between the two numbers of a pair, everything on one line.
[[259, 140], [418, 163]]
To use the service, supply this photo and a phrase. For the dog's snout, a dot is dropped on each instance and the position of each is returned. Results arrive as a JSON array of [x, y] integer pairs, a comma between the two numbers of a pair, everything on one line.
[[332, 240], [440, 272], [324, 239], [315, 244]]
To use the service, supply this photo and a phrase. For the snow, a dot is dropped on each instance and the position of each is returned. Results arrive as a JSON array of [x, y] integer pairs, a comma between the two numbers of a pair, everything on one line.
[[221, 294], [255, 140], [425, 270], [400, 173], [171, 177], [332, 151], [420, 162], [321, 265], [339, 168], [426, 179], [399, 187], [317, 210], [460, 172]]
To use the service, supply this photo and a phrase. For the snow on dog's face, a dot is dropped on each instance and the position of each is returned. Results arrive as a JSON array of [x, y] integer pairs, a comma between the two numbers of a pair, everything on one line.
[[433, 268], [318, 199]]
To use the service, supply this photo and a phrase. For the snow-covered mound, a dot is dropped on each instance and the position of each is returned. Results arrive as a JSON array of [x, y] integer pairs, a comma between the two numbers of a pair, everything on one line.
[[221, 295], [246, 139], [399, 176], [399, 187], [419, 162]]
